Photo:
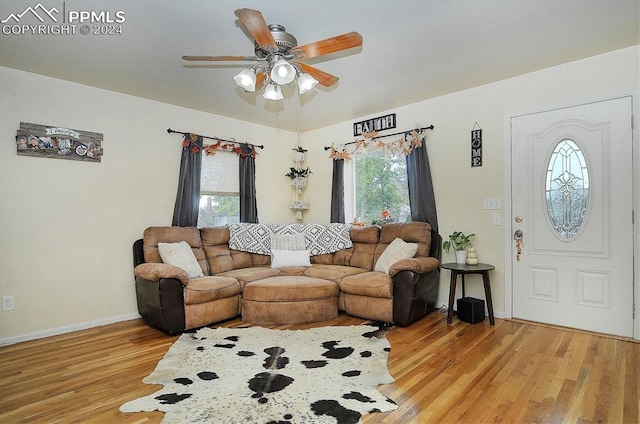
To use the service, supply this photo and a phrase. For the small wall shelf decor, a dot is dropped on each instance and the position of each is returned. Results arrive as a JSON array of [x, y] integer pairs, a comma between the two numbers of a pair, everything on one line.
[[298, 175], [59, 143]]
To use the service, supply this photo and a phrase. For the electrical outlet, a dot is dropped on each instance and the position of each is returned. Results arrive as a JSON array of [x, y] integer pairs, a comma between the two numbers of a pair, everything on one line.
[[8, 303]]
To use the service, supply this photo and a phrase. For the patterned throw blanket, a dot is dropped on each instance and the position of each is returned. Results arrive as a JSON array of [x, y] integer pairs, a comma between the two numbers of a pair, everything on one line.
[[319, 238]]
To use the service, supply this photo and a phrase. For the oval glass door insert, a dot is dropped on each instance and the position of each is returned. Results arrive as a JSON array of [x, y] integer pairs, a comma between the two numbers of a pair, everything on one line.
[[567, 189]]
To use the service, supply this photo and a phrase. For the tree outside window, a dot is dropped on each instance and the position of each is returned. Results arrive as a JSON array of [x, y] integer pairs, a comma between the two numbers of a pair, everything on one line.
[[381, 185], [219, 190]]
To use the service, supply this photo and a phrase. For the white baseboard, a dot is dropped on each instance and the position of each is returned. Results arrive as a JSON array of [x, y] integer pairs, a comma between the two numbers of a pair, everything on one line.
[[67, 329]]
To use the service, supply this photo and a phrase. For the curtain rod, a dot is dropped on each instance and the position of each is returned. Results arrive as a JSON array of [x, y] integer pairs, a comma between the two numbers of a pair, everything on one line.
[[214, 138], [430, 127]]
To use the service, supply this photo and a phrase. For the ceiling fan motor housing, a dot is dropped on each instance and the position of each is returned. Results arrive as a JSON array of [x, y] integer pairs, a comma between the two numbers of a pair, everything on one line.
[[283, 39]]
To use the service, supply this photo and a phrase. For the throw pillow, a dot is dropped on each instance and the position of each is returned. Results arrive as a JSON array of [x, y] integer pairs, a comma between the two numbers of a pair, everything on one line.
[[288, 241], [397, 249], [180, 255], [286, 258]]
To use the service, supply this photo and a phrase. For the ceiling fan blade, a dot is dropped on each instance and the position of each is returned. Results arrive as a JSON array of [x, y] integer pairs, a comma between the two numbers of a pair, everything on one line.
[[323, 77], [330, 45], [261, 78], [221, 58], [257, 27]]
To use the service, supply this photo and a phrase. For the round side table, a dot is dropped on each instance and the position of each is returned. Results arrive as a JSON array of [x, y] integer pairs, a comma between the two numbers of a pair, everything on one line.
[[464, 269]]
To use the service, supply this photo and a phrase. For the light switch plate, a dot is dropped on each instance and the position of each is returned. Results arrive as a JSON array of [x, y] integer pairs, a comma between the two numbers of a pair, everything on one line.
[[490, 204]]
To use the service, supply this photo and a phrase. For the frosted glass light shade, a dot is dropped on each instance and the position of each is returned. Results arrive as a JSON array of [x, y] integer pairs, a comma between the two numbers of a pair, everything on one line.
[[305, 83], [272, 92], [246, 79], [283, 72]]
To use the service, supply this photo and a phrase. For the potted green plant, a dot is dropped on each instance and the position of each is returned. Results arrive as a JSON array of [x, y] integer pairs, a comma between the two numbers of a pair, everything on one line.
[[460, 242], [298, 176], [298, 172]]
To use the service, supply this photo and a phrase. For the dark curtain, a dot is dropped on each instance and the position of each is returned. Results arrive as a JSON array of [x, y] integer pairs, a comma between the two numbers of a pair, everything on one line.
[[421, 198], [337, 191], [185, 212], [248, 205]]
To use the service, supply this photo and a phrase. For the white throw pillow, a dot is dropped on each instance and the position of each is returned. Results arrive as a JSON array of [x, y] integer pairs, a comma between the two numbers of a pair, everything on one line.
[[180, 255], [288, 241], [397, 249], [285, 258]]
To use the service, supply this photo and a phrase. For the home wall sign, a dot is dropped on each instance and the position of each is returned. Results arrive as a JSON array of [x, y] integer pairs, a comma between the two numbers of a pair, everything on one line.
[[380, 123], [476, 146], [57, 142]]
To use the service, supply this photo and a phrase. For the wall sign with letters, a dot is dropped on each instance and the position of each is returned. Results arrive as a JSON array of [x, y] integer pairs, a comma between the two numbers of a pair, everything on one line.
[[57, 142], [380, 123], [476, 146]]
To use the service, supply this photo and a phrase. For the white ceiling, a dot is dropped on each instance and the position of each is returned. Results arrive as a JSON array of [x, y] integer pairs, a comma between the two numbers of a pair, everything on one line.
[[412, 50]]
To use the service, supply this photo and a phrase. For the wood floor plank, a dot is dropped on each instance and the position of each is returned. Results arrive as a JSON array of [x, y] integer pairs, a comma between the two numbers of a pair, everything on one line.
[[513, 372]]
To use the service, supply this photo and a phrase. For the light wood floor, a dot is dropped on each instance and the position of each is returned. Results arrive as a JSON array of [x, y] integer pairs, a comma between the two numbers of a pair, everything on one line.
[[511, 373]]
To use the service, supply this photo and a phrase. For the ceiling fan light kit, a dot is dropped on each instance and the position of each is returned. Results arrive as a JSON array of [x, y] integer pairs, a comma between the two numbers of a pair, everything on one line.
[[246, 79], [282, 72], [280, 59], [272, 92], [305, 82]]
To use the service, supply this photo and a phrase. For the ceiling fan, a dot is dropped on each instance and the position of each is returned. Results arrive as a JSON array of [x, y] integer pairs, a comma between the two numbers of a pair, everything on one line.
[[278, 58]]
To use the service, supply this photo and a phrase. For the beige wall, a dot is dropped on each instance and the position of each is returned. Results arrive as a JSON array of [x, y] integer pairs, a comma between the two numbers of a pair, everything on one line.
[[460, 189], [66, 227]]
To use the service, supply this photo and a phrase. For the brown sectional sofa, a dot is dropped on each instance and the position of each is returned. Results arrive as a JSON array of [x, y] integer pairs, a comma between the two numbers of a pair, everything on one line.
[[238, 283]]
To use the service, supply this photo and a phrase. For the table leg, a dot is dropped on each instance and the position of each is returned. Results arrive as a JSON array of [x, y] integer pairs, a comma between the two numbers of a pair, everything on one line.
[[487, 294], [452, 295]]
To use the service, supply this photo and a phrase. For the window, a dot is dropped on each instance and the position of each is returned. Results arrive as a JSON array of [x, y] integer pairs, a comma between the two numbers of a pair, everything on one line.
[[381, 184], [567, 189], [219, 190]]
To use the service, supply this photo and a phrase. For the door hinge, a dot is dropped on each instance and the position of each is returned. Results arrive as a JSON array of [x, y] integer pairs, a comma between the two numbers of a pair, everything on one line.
[[632, 122]]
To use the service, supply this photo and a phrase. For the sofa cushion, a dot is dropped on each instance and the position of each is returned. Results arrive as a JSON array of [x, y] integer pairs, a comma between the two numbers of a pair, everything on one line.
[[411, 232], [290, 288], [180, 255], [247, 275], [397, 250], [362, 254], [206, 289], [368, 235], [372, 284], [334, 273], [154, 235]]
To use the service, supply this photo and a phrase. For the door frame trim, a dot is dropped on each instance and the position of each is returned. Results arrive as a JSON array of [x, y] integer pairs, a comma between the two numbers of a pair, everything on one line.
[[635, 189]]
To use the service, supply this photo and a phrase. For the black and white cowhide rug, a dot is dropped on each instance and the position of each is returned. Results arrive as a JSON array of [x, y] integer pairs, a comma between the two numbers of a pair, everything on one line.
[[258, 375]]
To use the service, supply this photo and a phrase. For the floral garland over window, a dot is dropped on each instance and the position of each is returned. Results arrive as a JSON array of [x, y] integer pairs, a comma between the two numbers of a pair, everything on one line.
[[404, 145], [191, 139]]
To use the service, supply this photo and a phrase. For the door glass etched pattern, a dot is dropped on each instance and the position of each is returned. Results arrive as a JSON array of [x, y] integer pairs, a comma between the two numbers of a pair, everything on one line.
[[567, 189]]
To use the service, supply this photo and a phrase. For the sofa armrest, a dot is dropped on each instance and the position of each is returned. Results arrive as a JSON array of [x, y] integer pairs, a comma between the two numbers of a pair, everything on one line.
[[161, 303], [417, 265], [157, 271]]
